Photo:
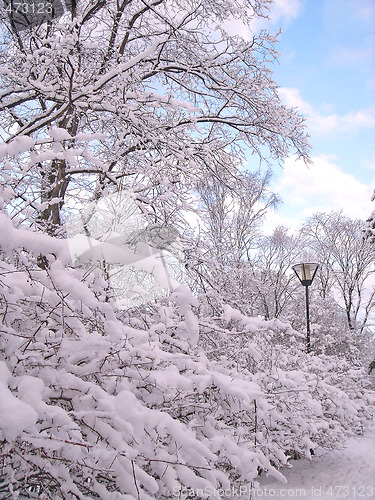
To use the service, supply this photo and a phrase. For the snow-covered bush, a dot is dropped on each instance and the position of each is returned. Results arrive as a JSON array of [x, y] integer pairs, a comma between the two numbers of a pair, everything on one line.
[[162, 401], [315, 400], [93, 407]]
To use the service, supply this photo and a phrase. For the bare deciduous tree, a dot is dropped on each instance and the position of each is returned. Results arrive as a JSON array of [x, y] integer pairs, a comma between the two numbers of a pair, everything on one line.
[[151, 95], [274, 282], [347, 258]]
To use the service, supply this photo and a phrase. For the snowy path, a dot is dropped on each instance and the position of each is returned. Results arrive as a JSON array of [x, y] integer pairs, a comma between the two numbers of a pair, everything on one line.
[[349, 473]]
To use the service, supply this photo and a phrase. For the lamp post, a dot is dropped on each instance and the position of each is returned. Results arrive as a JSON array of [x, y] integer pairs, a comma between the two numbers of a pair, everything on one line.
[[306, 273]]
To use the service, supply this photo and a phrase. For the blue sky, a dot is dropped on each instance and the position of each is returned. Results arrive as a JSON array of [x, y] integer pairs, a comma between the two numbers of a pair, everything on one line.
[[327, 69]]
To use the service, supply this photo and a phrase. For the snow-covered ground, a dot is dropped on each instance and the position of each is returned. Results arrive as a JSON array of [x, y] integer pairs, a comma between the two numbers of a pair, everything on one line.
[[349, 473]]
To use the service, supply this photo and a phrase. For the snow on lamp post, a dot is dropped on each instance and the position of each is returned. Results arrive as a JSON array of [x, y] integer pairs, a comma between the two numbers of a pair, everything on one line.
[[306, 273]]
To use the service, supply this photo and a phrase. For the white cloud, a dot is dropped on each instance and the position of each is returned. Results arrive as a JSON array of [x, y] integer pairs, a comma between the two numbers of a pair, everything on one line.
[[322, 124], [237, 27], [322, 186], [281, 13], [276, 218], [285, 11]]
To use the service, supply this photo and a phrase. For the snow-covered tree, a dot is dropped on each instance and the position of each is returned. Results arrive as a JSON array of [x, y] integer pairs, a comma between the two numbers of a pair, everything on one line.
[[347, 260], [230, 222], [370, 229], [274, 281], [232, 213], [154, 96]]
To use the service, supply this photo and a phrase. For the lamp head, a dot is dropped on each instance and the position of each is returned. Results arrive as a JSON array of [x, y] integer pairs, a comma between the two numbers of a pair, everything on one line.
[[306, 272]]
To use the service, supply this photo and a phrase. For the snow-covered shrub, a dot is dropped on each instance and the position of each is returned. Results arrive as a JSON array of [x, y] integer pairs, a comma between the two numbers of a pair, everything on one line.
[[330, 333], [314, 400], [94, 407], [163, 400]]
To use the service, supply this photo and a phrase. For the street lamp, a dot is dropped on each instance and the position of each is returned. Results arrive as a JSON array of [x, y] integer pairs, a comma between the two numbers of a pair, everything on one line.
[[306, 273]]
